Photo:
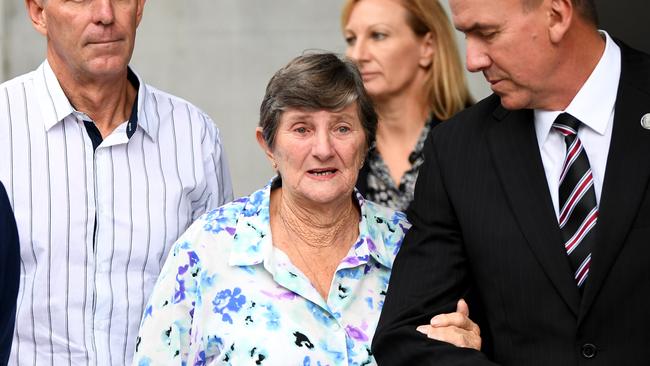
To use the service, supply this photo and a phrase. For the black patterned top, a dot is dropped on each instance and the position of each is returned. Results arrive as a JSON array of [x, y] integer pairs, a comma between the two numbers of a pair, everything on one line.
[[376, 184]]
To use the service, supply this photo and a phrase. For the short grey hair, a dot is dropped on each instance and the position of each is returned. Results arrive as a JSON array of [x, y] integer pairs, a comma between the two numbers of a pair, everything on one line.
[[316, 81]]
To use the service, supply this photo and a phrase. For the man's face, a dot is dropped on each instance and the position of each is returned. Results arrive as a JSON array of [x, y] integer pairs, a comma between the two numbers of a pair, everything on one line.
[[90, 38], [510, 46]]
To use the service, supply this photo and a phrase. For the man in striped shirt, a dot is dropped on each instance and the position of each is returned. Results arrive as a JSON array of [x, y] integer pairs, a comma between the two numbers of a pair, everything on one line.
[[103, 172]]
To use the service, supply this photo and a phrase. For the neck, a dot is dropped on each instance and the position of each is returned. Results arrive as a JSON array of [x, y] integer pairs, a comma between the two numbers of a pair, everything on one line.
[[108, 100], [323, 227], [402, 115]]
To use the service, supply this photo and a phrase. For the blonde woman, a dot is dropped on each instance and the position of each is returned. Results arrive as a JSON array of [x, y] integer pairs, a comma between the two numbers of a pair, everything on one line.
[[410, 66]]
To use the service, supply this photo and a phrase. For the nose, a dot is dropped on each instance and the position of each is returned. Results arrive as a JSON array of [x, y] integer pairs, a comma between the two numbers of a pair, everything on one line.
[[477, 58], [322, 147], [357, 51], [103, 12]]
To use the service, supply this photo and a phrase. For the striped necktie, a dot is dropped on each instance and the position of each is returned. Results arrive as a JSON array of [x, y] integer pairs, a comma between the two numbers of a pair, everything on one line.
[[577, 199]]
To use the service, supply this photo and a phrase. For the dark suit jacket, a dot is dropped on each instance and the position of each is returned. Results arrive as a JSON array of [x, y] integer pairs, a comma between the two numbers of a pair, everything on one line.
[[9, 274], [482, 217]]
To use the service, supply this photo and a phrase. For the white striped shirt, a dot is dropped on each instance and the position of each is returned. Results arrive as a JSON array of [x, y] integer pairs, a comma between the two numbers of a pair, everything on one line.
[[95, 226]]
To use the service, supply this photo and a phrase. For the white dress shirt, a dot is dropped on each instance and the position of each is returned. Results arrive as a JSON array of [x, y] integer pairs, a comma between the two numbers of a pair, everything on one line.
[[594, 107], [95, 226]]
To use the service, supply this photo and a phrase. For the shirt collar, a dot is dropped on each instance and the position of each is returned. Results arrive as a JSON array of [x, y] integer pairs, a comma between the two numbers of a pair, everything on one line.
[[255, 217], [55, 105], [594, 103], [149, 126]]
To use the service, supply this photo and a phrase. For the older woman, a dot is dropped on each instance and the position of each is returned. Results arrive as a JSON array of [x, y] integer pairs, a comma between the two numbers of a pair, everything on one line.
[[408, 58], [296, 273]]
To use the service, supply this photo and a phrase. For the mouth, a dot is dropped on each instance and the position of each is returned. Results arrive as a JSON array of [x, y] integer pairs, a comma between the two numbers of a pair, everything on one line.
[[103, 42], [368, 75], [322, 173]]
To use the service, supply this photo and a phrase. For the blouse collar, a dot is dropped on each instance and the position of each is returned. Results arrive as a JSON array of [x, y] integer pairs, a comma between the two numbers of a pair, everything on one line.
[[252, 243]]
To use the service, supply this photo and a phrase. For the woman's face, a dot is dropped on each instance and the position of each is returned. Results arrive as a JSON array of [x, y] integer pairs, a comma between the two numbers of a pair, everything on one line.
[[390, 56], [318, 154]]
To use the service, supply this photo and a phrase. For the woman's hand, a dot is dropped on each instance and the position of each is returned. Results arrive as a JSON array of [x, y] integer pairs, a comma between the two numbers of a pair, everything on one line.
[[455, 328]]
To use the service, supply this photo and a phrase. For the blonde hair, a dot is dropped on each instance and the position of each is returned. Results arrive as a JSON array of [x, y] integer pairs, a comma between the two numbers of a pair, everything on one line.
[[448, 92]]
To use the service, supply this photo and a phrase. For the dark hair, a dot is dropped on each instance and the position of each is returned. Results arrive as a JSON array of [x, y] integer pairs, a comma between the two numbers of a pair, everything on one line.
[[586, 8], [316, 81]]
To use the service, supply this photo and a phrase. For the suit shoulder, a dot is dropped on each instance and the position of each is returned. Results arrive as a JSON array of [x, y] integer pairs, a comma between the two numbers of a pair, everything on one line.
[[474, 116], [635, 67]]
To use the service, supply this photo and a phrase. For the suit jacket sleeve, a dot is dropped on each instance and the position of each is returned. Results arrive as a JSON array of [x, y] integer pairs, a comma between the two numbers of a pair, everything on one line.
[[430, 274], [9, 274]]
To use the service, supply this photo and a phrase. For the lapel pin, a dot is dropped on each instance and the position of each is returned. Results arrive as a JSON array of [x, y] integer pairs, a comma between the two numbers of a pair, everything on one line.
[[645, 121]]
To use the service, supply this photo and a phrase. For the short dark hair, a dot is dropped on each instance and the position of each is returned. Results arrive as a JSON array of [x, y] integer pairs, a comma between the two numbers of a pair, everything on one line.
[[314, 81], [586, 8]]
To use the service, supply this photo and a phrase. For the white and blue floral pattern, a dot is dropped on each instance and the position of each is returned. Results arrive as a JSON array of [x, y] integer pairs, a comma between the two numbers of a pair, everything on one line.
[[227, 296]]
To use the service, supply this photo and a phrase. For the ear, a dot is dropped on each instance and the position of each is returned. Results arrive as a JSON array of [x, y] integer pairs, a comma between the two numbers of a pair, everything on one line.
[[37, 15], [561, 14], [259, 135], [427, 45], [140, 11]]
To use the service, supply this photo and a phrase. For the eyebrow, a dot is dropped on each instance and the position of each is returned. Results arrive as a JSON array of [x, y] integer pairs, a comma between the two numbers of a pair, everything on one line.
[[302, 117], [371, 27], [475, 27], [344, 116]]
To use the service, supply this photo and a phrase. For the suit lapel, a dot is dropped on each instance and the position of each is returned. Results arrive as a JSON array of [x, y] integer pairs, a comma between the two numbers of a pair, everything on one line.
[[515, 153], [625, 182]]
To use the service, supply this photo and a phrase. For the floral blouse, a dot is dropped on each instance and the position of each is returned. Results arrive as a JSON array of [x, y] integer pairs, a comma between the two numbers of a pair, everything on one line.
[[227, 296]]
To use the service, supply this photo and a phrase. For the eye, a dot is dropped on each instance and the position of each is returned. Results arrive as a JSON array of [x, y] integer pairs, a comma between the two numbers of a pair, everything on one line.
[[350, 40], [343, 129], [301, 130], [378, 36], [488, 35]]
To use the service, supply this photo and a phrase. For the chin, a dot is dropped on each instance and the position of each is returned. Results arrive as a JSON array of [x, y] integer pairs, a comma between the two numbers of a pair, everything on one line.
[[512, 103], [374, 91], [107, 66], [325, 197]]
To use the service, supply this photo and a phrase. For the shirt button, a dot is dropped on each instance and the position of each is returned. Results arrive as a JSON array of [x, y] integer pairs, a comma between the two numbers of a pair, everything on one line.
[[589, 350]]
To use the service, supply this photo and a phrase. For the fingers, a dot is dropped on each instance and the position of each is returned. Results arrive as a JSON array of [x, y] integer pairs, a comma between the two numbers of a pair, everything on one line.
[[457, 336], [453, 319], [462, 307], [456, 319], [455, 328]]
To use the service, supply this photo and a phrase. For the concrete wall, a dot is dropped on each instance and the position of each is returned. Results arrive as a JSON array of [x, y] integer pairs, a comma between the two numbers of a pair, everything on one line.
[[218, 54]]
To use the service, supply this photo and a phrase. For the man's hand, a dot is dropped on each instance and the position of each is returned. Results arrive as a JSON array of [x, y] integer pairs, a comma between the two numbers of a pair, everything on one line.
[[455, 328]]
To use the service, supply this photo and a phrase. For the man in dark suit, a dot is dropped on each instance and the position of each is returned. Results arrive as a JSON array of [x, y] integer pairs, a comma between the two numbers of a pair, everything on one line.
[[9, 274], [536, 200]]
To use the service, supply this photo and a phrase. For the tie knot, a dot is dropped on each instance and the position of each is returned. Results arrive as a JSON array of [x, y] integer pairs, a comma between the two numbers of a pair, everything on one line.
[[567, 124]]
